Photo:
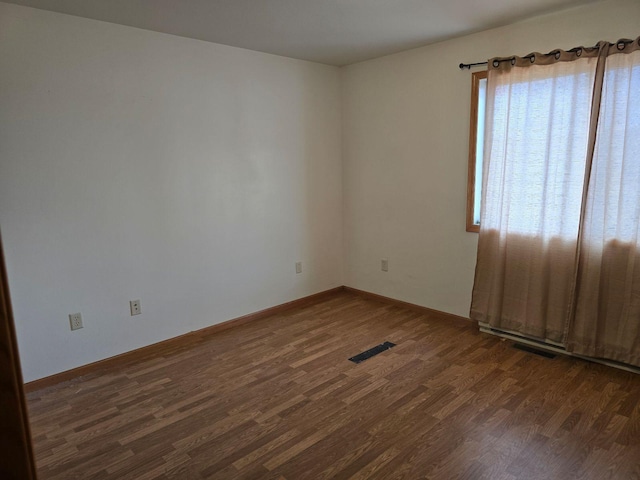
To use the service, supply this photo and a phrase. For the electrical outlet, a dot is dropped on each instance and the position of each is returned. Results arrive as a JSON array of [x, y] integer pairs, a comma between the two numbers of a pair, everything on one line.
[[298, 267], [135, 307], [75, 320], [384, 265]]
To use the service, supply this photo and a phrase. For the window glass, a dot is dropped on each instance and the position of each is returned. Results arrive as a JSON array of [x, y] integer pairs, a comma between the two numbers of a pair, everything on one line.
[[482, 97]]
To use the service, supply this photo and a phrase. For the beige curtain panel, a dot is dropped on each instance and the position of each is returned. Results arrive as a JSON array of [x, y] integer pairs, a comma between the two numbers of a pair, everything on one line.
[[558, 251]]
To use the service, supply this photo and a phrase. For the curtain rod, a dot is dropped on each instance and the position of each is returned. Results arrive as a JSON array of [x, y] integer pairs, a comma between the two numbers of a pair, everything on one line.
[[469, 65]]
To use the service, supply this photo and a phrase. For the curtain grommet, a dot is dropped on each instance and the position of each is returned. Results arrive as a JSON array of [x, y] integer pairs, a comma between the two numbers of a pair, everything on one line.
[[621, 45], [513, 61], [557, 55], [579, 52], [532, 59], [496, 63]]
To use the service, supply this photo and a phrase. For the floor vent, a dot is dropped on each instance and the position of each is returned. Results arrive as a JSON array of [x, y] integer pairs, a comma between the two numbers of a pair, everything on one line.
[[361, 357], [526, 348]]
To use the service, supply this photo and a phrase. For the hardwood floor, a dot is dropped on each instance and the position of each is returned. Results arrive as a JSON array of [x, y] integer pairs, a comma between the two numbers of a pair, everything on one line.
[[277, 399]]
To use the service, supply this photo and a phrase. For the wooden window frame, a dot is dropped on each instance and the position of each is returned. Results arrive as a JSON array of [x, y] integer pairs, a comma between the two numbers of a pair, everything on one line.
[[473, 131]]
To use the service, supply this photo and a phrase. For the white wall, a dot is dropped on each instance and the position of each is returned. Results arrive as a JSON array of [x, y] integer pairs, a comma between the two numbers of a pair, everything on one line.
[[192, 176], [135, 164], [405, 145]]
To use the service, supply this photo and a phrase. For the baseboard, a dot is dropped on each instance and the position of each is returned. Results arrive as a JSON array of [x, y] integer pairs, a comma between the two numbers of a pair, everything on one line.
[[400, 303], [156, 348], [556, 349]]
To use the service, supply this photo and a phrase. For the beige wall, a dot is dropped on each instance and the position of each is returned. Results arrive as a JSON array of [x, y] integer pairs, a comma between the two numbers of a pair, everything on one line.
[[138, 165], [191, 176], [405, 134]]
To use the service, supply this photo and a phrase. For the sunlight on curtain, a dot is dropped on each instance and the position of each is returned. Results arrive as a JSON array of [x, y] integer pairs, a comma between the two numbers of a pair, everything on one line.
[[559, 244], [538, 144], [607, 320], [537, 125]]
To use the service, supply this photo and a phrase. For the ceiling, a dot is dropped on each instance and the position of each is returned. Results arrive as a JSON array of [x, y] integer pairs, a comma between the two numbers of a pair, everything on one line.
[[335, 32]]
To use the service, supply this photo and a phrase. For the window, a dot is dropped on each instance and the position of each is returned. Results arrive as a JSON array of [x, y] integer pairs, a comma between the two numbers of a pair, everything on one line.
[[476, 148], [559, 247]]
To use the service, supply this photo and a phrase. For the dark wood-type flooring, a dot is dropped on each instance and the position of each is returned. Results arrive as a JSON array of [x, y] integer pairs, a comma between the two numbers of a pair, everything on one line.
[[277, 399]]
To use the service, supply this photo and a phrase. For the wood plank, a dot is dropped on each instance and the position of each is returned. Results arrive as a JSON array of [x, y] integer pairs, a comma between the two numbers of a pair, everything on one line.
[[278, 398], [172, 343]]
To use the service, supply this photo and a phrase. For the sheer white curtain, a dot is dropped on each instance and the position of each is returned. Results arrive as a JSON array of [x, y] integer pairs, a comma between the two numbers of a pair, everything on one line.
[[607, 318], [559, 245], [537, 128]]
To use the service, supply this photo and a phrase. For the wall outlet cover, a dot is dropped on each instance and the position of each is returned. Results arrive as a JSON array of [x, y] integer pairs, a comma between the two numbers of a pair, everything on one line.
[[75, 321], [135, 307]]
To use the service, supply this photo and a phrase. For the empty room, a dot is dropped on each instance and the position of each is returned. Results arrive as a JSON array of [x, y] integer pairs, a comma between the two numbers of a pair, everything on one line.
[[341, 239]]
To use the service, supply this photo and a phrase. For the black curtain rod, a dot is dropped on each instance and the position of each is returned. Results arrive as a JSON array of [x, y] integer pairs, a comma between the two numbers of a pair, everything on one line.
[[469, 65]]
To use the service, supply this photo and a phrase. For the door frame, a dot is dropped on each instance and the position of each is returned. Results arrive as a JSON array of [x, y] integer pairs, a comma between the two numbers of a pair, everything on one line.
[[17, 459]]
